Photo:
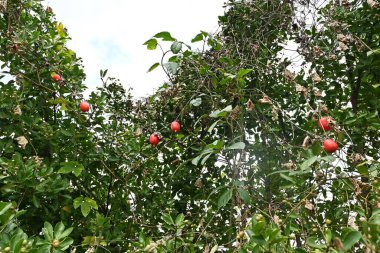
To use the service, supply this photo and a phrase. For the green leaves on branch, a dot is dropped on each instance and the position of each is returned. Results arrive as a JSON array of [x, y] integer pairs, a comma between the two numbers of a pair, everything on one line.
[[86, 204], [71, 167]]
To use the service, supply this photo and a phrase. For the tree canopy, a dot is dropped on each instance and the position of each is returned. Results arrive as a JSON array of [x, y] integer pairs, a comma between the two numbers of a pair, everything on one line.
[[254, 166]]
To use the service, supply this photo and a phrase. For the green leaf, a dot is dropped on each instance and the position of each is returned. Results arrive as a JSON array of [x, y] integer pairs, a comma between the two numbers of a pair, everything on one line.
[[64, 234], [198, 37], [351, 238], [196, 102], [213, 126], [375, 219], [151, 44], [77, 202], [153, 67], [179, 220], [48, 231], [165, 36], [328, 236], [91, 202], [65, 244], [244, 195], [172, 67], [85, 208], [176, 47], [313, 242], [329, 158], [224, 198], [306, 164], [221, 113], [4, 206], [167, 218], [243, 72], [58, 229], [287, 178], [195, 160], [205, 158], [237, 145], [74, 167]]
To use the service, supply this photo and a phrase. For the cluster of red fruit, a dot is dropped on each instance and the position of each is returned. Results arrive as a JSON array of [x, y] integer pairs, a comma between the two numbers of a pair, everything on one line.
[[329, 145], [84, 106], [154, 138]]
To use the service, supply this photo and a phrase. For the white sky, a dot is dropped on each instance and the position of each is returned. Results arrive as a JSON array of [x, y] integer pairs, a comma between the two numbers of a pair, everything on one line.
[[110, 34]]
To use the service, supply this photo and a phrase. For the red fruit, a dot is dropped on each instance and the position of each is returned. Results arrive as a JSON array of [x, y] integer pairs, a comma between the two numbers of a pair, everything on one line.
[[330, 146], [175, 126], [84, 106], [56, 77], [154, 139], [323, 123]]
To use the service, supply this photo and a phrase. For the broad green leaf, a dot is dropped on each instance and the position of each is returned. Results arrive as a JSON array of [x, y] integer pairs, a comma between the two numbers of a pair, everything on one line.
[[77, 202], [167, 218], [91, 202], [243, 72], [198, 37], [172, 67], [165, 36], [314, 243], [176, 47], [329, 158], [195, 160], [224, 198], [375, 219], [151, 44], [48, 231], [71, 167], [351, 238], [65, 233], [306, 164], [153, 67], [244, 195], [58, 229], [65, 244], [179, 220], [221, 113], [237, 145], [85, 208]]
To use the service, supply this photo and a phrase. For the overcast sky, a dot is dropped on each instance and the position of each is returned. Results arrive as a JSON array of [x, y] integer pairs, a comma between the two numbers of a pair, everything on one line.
[[110, 34]]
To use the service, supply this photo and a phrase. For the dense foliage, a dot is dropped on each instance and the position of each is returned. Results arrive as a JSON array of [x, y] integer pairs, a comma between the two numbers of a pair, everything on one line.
[[246, 173]]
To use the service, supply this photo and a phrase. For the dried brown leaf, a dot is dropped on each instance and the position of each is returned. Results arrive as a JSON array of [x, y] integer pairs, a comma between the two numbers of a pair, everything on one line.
[[22, 141]]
